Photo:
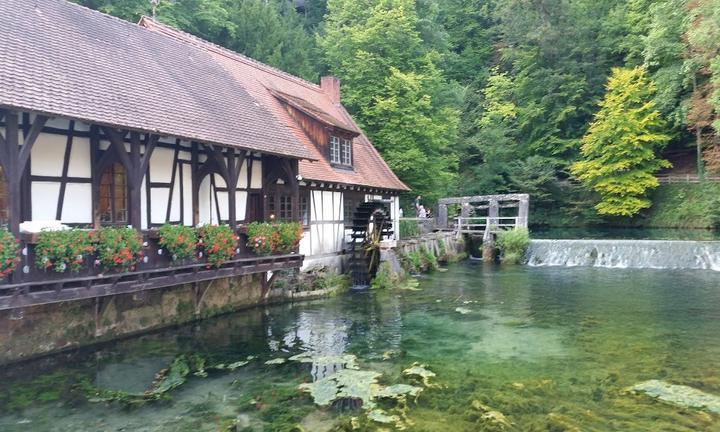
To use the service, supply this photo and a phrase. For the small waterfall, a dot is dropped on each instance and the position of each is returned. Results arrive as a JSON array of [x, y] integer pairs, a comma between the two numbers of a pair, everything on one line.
[[655, 254]]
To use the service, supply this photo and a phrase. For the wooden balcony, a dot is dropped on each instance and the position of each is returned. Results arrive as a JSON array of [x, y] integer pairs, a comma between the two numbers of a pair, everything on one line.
[[30, 286]]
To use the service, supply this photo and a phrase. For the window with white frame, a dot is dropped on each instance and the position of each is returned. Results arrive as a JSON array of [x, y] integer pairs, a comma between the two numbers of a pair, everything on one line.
[[340, 151], [346, 152], [335, 149]]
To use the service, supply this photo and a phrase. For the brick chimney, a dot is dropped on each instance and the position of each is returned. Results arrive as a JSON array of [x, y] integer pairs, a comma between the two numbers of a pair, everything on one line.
[[331, 86]]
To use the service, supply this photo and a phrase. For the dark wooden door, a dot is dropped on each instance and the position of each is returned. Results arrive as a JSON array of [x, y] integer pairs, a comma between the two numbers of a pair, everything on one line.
[[255, 208]]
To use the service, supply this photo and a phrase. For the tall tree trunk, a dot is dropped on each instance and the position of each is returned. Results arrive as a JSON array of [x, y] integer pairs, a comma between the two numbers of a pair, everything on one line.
[[698, 141]]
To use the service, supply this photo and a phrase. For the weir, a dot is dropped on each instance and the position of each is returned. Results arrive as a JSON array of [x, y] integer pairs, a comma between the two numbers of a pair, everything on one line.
[[654, 254]]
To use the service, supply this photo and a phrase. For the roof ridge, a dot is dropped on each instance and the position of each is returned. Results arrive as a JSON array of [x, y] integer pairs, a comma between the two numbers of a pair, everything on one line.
[[233, 54]]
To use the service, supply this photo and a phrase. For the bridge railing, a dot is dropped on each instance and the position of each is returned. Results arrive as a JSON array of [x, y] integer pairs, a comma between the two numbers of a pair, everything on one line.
[[478, 225]]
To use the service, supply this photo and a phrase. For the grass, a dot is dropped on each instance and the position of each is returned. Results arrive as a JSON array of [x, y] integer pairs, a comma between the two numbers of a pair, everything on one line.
[[683, 205]]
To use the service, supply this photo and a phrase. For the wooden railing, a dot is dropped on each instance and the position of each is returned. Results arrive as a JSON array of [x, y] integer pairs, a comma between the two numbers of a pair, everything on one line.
[[480, 225], [30, 286], [685, 178]]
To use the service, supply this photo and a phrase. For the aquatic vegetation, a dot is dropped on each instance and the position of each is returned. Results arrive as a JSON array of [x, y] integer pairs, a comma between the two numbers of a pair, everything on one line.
[[680, 395], [490, 416], [348, 361], [513, 244], [428, 258], [345, 384], [418, 370]]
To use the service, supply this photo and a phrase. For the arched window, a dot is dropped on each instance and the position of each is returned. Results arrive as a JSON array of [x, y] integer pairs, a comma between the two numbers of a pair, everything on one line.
[[4, 200], [113, 197]]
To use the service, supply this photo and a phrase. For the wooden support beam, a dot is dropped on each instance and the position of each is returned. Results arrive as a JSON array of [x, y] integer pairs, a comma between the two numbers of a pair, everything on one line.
[[30, 139]]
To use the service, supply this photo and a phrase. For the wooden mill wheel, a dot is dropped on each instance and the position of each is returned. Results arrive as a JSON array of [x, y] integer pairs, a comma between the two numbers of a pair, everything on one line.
[[371, 225]]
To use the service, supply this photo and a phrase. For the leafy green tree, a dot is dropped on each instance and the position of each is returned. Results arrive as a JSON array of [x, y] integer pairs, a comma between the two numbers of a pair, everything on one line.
[[619, 151], [129, 10], [393, 85]]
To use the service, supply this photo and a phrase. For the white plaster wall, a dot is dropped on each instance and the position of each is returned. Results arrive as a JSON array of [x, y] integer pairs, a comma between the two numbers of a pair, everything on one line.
[[77, 207], [256, 179], [158, 204], [206, 203], [161, 165], [47, 155], [242, 179], [222, 198], [326, 226], [80, 165], [144, 223], [44, 200], [175, 209], [187, 194], [240, 205]]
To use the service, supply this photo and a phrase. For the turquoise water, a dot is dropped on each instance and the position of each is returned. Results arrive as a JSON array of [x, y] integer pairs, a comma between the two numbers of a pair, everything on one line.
[[625, 233], [551, 349]]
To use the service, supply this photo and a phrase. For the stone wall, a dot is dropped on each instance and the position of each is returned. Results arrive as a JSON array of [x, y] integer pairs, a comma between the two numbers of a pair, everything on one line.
[[454, 246], [34, 331]]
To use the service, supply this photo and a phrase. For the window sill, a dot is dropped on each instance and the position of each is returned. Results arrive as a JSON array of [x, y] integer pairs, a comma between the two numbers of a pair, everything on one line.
[[342, 167]]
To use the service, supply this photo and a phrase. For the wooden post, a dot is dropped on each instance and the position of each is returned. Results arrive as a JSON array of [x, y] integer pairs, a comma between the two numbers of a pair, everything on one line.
[[523, 212], [14, 160], [493, 212], [442, 215], [195, 165]]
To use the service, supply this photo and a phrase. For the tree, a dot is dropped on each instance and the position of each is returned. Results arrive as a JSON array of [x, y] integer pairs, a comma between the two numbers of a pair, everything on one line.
[[393, 85], [703, 40], [619, 151]]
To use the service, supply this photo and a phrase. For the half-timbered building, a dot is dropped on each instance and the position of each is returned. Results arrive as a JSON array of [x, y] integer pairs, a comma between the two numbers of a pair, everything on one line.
[[103, 122], [345, 170]]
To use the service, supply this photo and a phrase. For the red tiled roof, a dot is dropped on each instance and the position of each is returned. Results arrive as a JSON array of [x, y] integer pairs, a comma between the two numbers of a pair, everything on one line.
[[268, 86], [66, 60]]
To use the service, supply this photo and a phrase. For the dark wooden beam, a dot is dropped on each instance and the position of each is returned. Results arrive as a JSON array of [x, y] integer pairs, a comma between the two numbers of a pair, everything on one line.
[[195, 180], [10, 161], [117, 143], [30, 139]]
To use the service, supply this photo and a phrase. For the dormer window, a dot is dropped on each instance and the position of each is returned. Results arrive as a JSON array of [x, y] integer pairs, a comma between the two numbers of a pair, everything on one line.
[[340, 151]]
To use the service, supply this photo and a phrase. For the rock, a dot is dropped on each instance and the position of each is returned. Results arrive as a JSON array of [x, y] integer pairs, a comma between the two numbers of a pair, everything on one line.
[[679, 395], [463, 311], [420, 371], [491, 416], [276, 361]]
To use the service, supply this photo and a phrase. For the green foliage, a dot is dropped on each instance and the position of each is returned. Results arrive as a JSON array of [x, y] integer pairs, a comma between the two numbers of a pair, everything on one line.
[[118, 248], [428, 258], [219, 243], [409, 229], [683, 205], [395, 88], [513, 244], [288, 237], [179, 241], [63, 249], [265, 238], [619, 150]]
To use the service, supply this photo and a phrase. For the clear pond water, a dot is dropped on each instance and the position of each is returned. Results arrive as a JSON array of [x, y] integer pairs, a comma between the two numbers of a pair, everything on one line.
[[552, 349]]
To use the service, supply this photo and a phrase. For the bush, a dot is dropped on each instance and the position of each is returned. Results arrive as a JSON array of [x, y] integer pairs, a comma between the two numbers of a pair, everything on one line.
[[265, 238], [409, 229], [219, 243], [513, 244], [118, 248], [9, 252], [429, 260], [259, 235], [289, 235], [64, 249], [178, 240]]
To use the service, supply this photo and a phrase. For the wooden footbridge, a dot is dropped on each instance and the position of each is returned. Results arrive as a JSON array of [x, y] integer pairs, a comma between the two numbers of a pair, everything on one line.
[[483, 214]]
